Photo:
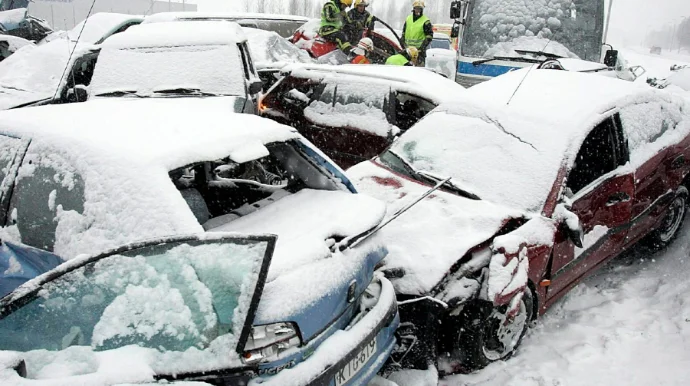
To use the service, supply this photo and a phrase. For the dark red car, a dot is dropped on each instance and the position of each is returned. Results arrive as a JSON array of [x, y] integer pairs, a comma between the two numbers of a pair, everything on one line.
[[575, 170], [354, 112]]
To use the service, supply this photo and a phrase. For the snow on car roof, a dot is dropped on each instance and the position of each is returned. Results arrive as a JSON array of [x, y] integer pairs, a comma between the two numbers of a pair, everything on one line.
[[15, 42], [178, 34], [101, 25], [416, 80], [122, 150], [172, 16]]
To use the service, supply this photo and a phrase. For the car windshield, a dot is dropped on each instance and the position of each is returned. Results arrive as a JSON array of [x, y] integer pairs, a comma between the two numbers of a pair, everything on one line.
[[218, 192], [566, 28], [480, 157], [167, 296], [440, 43], [210, 69]]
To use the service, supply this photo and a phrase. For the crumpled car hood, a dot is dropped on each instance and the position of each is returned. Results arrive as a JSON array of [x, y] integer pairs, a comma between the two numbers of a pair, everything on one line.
[[428, 239], [307, 283]]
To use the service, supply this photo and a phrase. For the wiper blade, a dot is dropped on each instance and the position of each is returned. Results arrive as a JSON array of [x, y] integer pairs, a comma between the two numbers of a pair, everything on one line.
[[448, 184], [506, 58], [185, 91], [541, 53], [120, 93]]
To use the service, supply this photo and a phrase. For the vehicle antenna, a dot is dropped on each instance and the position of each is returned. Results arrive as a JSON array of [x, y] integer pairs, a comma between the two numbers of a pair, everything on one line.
[[69, 60], [526, 75]]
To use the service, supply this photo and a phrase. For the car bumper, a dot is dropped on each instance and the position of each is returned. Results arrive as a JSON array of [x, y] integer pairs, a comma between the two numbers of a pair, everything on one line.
[[335, 354]]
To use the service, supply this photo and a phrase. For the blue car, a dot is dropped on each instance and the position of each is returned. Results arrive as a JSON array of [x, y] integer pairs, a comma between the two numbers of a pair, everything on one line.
[[199, 245]]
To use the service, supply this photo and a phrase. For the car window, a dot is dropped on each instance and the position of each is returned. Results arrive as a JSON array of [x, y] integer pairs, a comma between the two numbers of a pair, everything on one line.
[[222, 191], [10, 156], [170, 296], [47, 188], [409, 109], [595, 158], [245, 61], [645, 124]]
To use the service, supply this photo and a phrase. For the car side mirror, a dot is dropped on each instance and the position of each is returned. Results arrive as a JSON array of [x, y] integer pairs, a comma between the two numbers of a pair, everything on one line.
[[255, 87], [456, 9], [575, 233], [455, 31], [638, 71], [77, 94], [611, 58]]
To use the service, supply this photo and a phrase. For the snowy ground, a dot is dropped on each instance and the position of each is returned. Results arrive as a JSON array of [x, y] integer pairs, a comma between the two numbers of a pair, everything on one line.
[[657, 66], [629, 324]]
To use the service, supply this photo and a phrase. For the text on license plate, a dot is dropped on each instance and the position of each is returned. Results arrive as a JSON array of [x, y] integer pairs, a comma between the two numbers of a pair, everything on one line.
[[351, 368]]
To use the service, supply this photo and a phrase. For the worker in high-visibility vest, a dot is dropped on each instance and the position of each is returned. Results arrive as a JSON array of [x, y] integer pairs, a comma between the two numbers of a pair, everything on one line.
[[333, 19], [418, 32], [406, 58]]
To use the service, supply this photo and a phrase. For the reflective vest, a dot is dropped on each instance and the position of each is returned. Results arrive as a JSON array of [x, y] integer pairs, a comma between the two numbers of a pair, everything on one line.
[[330, 25], [414, 31], [397, 60]]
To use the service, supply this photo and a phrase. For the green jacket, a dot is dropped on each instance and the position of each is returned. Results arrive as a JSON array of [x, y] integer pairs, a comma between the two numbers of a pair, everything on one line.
[[397, 60], [332, 18], [416, 33]]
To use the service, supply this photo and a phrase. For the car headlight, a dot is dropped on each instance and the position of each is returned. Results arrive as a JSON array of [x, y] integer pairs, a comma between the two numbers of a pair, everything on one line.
[[269, 341]]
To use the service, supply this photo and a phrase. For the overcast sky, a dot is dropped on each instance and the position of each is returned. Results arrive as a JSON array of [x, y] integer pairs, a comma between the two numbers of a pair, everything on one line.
[[630, 21]]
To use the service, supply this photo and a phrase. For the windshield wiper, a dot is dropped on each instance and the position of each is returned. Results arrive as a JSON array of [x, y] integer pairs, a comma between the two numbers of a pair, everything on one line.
[[423, 176], [186, 91], [448, 185], [506, 58], [120, 93], [549, 55]]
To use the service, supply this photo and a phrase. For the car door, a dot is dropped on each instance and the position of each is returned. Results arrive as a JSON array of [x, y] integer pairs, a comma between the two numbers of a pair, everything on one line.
[[646, 126], [601, 192], [410, 109], [350, 122]]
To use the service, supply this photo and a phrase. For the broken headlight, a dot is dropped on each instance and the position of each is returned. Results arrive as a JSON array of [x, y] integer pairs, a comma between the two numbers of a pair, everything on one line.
[[269, 341]]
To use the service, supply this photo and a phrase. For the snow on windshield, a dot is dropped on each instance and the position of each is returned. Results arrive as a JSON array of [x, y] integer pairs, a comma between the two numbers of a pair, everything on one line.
[[482, 159], [213, 69], [494, 26], [269, 49]]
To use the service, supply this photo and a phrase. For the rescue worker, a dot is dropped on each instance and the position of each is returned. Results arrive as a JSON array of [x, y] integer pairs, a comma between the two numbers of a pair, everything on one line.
[[364, 48], [359, 20], [407, 58], [333, 19], [418, 31]]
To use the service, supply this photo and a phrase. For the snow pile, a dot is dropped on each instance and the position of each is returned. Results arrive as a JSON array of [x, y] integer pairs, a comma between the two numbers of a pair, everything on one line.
[[99, 26], [529, 43], [12, 18], [680, 78], [14, 42], [270, 50]]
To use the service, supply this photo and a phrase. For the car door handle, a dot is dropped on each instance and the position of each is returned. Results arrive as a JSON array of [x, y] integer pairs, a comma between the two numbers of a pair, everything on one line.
[[678, 163], [617, 198]]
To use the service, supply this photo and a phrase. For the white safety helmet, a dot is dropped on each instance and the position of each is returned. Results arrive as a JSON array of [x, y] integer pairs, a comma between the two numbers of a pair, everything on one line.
[[366, 44]]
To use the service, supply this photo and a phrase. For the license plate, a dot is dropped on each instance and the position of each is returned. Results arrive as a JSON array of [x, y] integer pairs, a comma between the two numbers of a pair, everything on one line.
[[351, 368]]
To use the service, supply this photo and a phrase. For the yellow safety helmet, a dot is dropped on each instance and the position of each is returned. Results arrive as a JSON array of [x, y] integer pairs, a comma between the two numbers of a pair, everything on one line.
[[418, 4], [413, 53], [361, 2], [346, 2]]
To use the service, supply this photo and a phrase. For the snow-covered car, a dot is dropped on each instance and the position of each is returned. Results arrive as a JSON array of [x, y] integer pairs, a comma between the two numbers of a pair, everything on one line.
[[441, 57], [529, 204], [679, 80], [283, 25], [59, 68], [353, 112], [87, 178], [18, 22], [10, 44], [174, 60]]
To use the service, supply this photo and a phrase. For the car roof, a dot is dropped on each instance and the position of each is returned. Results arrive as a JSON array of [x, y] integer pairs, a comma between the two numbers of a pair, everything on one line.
[[415, 80], [159, 132], [178, 34], [172, 16], [100, 26], [577, 101]]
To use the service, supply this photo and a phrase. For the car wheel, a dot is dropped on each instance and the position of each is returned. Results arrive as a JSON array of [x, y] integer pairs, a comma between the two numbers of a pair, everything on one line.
[[671, 224], [496, 337]]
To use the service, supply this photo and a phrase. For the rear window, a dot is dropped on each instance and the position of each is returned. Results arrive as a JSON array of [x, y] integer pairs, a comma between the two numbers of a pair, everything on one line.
[[440, 43], [221, 191]]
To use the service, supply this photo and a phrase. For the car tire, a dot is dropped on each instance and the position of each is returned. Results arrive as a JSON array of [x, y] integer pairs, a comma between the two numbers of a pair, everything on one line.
[[671, 224], [481, 342]]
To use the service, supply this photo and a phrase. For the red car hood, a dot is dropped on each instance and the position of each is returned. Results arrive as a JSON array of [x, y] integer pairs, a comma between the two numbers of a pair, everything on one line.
[[428, 239]]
